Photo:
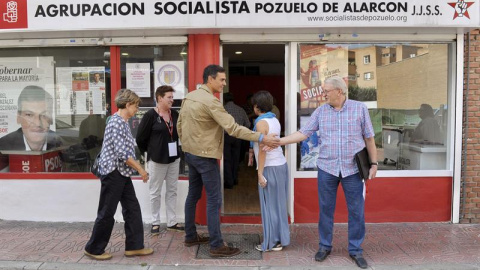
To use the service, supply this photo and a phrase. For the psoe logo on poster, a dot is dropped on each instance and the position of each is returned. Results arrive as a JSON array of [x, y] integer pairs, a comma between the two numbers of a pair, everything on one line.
[[13, 14], [461, 9], [169, 75]]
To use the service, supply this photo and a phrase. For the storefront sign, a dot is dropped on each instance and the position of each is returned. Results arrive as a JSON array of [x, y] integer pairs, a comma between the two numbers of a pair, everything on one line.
[[93, 14]]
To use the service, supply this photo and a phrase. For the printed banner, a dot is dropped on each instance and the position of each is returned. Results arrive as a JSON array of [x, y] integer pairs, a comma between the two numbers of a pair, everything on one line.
[[16, 73], [317, 63], [92, 14], [171, 73]]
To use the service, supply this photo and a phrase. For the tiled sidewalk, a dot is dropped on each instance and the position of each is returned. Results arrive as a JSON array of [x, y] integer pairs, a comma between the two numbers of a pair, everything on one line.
[[385, 244]]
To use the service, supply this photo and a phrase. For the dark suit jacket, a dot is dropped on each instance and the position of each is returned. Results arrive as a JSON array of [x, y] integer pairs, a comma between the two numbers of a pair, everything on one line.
[[14, 141]]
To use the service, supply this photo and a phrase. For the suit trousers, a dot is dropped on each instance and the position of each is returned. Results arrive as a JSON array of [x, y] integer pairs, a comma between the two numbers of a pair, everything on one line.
[[116, 188], [231, 159]]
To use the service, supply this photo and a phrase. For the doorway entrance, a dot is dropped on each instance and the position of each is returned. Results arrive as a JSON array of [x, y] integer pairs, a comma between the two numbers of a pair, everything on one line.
[[251, 68]]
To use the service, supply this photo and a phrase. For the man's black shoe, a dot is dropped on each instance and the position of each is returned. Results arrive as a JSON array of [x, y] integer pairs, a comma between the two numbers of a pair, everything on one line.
[[360, 261], [322, 255]]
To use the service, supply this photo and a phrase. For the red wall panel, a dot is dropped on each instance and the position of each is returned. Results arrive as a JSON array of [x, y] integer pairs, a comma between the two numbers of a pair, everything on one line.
[[203, 50], [413, 199]]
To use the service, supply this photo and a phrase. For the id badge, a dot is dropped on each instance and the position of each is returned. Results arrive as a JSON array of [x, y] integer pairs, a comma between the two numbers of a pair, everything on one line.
[[172, 149]]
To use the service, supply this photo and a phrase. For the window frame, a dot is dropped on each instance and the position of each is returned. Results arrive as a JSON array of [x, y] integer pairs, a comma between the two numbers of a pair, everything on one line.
[[368, 76], [367, 59], [113, 43], [453, 142]]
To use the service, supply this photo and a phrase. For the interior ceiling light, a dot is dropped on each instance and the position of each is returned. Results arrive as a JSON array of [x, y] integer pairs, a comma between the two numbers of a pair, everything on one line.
[[238, 52], [125, 54]]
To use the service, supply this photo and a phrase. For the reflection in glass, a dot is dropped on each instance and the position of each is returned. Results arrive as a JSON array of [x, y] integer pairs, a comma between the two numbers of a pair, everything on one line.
[[144, 68], [403, 85], [61, 137]]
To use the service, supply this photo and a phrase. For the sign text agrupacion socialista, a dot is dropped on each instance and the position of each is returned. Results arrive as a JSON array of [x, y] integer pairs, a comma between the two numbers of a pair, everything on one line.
[[217, 7]]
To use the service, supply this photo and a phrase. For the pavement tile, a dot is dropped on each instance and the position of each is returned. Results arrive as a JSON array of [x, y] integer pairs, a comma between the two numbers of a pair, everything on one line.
[[401, 244], [66, 251], [155, 259]]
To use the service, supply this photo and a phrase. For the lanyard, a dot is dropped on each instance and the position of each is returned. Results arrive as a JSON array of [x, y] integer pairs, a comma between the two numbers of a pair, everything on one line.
[[170, 124]]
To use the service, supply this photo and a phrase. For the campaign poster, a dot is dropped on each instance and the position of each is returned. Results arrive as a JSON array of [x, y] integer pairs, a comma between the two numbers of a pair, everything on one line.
[[171, 73], [80, 90], [138, 78], [16, 73], [308, 149], [317, 63]]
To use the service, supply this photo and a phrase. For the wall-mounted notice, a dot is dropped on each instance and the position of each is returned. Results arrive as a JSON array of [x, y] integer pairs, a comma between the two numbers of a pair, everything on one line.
[[81, 90], [138, 78], [171, 73]]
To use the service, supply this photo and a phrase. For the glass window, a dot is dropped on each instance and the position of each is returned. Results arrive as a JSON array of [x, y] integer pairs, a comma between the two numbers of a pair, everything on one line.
[[53, 107], [144, 68], [407, 99], [366, 59], [368, 76]]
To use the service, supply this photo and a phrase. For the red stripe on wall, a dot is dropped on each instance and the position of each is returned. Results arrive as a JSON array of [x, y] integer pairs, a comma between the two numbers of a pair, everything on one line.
[[203, 50], [115, 76], [413, 199]]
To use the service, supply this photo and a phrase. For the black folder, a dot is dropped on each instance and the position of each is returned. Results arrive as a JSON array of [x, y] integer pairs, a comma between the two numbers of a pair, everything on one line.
[[363, 162]]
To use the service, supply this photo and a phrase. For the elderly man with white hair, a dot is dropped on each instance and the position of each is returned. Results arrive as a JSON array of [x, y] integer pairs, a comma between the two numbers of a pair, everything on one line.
[[345, 128]]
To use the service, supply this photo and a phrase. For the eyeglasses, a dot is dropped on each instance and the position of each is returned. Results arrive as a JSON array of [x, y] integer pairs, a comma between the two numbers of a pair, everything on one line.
[[325, 91]]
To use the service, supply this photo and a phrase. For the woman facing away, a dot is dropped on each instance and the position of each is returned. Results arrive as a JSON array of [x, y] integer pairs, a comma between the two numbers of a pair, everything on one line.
[[272, 178], [117, 163]]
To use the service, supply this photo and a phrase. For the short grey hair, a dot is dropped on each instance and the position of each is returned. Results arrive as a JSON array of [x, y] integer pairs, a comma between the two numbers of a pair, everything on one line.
[[125, 96], [338, 83]]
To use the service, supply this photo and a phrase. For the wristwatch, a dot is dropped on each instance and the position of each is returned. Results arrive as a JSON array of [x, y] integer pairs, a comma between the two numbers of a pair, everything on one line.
[[374, 163]]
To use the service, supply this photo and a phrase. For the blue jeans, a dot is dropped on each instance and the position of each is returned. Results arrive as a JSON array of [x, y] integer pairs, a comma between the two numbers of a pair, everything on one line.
[[327, 195], [203, 172]]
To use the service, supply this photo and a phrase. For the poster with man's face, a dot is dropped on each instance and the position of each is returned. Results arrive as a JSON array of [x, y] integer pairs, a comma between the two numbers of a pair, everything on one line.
[[97, 79], [81, 90], [35, 116]]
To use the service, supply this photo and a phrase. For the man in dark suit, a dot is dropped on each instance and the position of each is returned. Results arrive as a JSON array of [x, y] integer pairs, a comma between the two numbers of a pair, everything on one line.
[[35, 108]]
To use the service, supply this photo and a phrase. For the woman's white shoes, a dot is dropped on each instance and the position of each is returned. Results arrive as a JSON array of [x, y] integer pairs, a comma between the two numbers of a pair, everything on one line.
[[277, 247]]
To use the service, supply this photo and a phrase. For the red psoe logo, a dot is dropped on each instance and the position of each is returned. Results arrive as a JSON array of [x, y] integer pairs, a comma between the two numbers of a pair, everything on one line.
[[13, 14], [461, 8]]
